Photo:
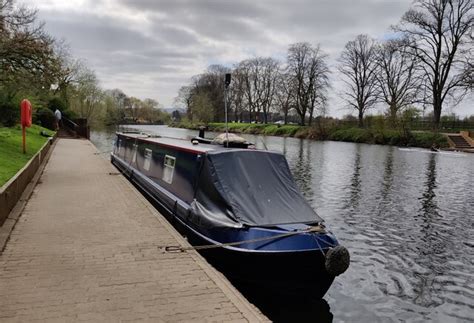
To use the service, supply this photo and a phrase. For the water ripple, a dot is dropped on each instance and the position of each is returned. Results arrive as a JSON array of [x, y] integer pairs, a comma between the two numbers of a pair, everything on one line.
[[406, 215]]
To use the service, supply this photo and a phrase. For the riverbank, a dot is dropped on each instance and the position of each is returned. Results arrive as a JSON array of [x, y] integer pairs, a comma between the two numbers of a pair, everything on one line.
[[12, 158], [422, 139]]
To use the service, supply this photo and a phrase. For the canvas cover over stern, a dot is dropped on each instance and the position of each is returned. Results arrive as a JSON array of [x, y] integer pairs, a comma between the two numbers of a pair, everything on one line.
[[248, 187]]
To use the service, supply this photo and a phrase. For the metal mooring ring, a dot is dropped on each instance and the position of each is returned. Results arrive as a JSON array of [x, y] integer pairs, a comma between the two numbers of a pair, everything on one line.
[[174, 249]]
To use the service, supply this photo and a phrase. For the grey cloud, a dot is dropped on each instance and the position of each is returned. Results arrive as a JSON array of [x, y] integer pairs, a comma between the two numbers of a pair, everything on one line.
[[87, 31], [179, 38], [191, 9], [174, 35]]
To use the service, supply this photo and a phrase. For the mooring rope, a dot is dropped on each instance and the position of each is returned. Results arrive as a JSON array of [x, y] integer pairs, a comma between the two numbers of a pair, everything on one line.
[[236, 243], [103, 152]]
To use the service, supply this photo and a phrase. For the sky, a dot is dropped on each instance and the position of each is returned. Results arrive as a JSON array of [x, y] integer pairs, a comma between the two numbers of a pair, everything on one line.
[[150, 48]]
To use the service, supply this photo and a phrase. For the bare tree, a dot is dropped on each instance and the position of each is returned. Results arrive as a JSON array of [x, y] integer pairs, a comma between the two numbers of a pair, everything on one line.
[[184, 98], [358, 64], [269, 76], [285, 95], [468, 71], [237, 93], [212, 83], [202, 108], [245, 70], [399, 83], [320, 85], [439, 31], [310, 77], [259, 76]]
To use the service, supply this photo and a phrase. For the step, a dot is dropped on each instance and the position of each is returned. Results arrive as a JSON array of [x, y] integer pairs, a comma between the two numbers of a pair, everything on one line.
[[459, 141]]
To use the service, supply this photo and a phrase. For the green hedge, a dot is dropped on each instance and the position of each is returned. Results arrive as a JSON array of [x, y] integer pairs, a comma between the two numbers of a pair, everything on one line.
[[354, 134], [427, 139], [390, 137], [45, 117], [256, 128], [9, 114]]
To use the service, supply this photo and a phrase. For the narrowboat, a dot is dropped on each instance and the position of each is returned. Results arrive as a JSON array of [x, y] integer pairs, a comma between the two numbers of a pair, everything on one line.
[[242, 204]]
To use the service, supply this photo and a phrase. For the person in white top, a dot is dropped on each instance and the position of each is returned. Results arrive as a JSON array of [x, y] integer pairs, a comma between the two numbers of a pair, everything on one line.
[[58, 116]]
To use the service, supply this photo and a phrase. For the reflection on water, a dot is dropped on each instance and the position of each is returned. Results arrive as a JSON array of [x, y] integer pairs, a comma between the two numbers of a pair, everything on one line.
[[406, 215], [355, 181], [387, 175], [301, 169], [429, 207], [280, 309]]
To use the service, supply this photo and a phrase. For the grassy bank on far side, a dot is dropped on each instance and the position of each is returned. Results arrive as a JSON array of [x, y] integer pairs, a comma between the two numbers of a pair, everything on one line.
[[12, 158], [423, 139]]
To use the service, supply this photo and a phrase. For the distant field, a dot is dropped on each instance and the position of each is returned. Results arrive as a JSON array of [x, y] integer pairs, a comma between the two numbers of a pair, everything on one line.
[[12, 158]]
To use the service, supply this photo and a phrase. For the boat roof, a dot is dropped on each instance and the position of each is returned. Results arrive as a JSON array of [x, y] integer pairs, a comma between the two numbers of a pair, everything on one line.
[[182, 144]]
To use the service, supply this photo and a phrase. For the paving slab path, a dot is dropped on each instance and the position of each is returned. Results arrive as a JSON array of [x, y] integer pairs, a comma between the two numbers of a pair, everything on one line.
[[86, 248]]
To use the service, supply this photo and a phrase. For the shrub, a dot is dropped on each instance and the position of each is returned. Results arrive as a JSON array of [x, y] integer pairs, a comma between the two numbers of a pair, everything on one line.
[[287, 130], [352, 135], [57, 103], [216, 127], [45, 117], [236, 127], [302, 132], [270, 130], [69, 114], [9, 113], [427, 139], [254, 128]]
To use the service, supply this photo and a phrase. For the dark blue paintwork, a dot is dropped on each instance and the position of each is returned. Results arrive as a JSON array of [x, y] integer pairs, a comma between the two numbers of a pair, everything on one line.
[[177, 197], [289, 265]]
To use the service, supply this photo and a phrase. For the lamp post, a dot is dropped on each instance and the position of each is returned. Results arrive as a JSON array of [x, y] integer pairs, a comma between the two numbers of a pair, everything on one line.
[[226, 87]]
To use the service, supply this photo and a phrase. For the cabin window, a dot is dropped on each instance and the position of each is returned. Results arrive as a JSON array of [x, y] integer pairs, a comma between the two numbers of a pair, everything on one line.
[[168, 169], [147, 163], [134, 156]]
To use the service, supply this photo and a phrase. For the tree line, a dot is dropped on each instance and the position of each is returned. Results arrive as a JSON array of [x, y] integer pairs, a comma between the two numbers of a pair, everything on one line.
[[35, 65], [260, 86], [427, 62]]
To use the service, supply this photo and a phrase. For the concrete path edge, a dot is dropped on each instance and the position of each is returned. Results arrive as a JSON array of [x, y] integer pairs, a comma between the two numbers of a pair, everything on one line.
[[247, 308]]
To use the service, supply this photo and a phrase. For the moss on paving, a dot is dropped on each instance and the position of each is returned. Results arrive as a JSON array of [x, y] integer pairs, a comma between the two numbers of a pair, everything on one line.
[[12, 158]]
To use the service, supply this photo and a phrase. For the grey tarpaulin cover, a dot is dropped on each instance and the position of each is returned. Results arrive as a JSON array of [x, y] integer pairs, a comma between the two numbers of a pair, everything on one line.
[[249, 187]]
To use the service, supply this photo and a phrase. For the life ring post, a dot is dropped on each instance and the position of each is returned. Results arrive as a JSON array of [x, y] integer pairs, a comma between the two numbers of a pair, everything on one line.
[[26, 119]]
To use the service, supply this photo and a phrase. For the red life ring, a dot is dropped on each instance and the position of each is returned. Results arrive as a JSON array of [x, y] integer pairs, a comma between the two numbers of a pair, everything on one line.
[[26, 114]]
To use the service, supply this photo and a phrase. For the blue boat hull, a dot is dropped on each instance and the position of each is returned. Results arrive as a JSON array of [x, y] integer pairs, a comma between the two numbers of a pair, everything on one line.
[[265, 238], [285, 273], [299, 272]]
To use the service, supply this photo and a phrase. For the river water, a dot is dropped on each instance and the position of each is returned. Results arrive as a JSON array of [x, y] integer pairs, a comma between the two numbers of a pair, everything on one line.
[[406, 216]]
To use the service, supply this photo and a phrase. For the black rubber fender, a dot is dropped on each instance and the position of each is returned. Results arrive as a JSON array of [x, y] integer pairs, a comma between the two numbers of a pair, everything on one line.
[[337, 260]]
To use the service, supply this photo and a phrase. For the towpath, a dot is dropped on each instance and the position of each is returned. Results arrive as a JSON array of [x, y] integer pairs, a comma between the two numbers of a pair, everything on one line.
[[86, 248]]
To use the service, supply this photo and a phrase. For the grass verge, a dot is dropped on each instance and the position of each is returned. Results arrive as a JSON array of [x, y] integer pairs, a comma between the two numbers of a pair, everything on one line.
[[12, 158], [390, 137]]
